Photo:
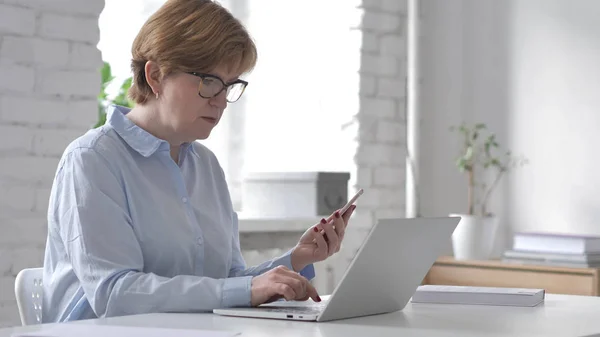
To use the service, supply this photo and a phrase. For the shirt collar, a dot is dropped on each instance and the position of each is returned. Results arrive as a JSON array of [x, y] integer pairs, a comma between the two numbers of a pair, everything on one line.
[[137, 138]]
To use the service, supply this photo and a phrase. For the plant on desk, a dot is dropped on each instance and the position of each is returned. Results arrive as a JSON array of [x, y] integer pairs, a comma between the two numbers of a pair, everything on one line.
[[479, 159]]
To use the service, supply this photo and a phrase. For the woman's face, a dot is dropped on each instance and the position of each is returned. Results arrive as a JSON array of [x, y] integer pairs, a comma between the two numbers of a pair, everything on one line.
[[190, 116]]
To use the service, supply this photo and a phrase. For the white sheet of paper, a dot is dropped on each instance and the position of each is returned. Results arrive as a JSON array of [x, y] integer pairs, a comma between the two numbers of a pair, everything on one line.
[[93, 330]]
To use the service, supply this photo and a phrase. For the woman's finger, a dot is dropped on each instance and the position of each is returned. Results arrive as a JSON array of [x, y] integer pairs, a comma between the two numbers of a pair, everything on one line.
[[301, 286], [339, 225], [320, 241], [296, 284], [297, 281], [348, 214], [285, 290], [332, 237], [312, 292], [274, 298]]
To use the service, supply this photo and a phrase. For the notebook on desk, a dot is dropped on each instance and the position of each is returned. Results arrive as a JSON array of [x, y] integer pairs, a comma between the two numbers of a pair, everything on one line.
[[518, 297]]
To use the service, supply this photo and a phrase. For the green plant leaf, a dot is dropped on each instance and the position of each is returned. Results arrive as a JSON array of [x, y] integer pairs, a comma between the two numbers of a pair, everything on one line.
[[477, 153], [103, 100], [469, 153], [106, 74], [101, 116], [461, 163], [121, 98]]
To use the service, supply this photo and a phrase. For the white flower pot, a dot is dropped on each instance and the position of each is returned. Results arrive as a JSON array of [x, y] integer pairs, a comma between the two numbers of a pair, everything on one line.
[[474, 238]]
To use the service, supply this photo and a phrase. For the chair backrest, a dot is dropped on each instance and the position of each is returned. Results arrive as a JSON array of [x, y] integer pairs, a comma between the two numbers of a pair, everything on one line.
[[29, 294]]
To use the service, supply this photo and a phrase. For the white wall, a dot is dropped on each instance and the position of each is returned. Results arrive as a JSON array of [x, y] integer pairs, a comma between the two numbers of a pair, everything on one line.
[[555, 115], [529, 69], [49, 81]]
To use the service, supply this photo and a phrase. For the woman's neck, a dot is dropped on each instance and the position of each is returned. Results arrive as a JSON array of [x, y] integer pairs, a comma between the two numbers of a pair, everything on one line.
[[148, 118]]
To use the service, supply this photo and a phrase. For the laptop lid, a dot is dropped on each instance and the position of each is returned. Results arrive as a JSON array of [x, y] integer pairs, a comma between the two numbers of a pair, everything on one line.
[[392, 262]]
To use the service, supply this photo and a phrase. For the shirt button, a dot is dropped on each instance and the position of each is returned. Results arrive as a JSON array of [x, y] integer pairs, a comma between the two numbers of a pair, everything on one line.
[[199, 241], [184, 199]]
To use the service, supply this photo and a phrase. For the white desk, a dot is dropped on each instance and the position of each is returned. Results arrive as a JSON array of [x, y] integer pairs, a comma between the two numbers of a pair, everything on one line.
[[560, 315]]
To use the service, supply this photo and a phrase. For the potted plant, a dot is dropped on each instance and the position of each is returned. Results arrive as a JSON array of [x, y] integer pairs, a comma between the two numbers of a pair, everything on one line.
[[481, 160]]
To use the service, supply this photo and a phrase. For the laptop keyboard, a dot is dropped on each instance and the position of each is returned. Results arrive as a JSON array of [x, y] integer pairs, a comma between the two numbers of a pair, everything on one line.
[[313, 309]]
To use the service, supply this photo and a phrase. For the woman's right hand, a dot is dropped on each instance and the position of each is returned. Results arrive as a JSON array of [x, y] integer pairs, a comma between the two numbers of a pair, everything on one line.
[[281, 282]]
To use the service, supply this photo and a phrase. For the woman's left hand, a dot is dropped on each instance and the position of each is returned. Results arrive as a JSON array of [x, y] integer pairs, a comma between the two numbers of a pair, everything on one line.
[[322, 240]]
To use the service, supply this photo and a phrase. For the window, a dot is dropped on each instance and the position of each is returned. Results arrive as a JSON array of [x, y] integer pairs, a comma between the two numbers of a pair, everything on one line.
[[119, 23], [305, 85]]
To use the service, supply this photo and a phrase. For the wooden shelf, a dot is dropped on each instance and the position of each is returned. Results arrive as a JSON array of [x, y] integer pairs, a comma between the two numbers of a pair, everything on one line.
[[493, 273]]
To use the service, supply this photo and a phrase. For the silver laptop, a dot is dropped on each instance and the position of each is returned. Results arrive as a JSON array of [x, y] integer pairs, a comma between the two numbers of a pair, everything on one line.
[[383, 276]]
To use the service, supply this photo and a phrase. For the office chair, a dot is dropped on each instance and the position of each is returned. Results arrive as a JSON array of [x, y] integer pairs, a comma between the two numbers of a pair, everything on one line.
[[29, 295]]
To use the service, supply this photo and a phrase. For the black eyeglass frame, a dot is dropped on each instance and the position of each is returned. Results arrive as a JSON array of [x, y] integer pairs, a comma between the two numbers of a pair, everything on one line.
[[225, 85]]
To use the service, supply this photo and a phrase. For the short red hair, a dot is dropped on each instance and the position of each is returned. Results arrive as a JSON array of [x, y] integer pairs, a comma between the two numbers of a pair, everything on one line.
[[189, 35]]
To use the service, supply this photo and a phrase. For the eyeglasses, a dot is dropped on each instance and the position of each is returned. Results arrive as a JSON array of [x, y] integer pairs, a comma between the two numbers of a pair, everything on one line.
[[211, 86]]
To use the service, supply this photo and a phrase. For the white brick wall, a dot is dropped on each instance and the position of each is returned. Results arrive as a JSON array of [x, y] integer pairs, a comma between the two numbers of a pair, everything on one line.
[[381, 152], [49, 80]]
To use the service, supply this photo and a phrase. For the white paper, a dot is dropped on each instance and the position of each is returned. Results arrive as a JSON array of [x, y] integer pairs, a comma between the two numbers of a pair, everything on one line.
[[93, 330]]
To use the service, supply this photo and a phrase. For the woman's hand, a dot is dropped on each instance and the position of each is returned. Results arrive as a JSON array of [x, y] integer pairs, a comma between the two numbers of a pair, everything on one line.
[[280, 282], [322, 240]]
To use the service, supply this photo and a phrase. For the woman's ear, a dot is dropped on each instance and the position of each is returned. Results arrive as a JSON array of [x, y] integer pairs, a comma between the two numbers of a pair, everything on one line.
[[153, 76]]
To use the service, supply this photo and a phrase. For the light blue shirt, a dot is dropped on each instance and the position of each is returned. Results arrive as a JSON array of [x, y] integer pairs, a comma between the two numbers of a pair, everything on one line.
[[131, 231]]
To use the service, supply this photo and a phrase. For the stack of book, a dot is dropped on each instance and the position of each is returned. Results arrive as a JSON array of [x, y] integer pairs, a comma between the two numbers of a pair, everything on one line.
[[478, 295], [562, 250]]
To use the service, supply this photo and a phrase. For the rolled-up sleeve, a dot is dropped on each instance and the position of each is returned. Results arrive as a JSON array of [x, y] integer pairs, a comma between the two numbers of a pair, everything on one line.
[[90, 214], [239, 267]]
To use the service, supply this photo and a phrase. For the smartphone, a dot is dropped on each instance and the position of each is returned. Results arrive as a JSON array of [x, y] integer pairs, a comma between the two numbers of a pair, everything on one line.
[[344, 209], [351, 201]]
